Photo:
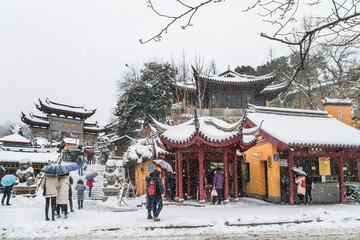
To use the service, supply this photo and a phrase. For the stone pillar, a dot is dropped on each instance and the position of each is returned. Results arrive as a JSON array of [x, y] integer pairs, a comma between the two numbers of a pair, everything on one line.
[[340, 163], [290, 176], [181, 190], [201, 175], [226, 177], [81, 137], [236, 193]]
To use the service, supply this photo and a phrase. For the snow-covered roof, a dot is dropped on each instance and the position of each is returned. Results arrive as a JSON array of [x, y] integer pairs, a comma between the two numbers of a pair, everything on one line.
[[274, 88], [209, 128], [40, 157], [71, 141], [236, 78], [14, 138], [59, 106], [332, 101], [303, 127]]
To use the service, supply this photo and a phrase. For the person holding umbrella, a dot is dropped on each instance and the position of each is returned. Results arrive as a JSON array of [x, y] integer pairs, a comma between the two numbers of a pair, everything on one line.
[[301, 187], [89, 183], [62, 198], [7, 181], [48, 183]]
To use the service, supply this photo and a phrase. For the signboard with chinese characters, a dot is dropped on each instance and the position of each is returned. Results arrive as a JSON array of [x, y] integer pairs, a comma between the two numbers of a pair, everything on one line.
[[65, 125], [324, 166]]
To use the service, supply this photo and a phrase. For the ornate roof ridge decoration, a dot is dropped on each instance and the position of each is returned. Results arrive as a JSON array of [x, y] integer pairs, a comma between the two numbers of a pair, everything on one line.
[[288, 111], [236, 126], [34, 120], [49, 107]]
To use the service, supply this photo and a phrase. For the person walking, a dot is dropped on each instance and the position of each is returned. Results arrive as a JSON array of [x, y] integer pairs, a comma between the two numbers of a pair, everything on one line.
[[80, 188], [90, 183], [309, 187], [62, 197], [6, 194], [48, 183], [148, 197], [71, 181], [171, 183], [218, 186], [301, 188], [156, 189], [80, 163]]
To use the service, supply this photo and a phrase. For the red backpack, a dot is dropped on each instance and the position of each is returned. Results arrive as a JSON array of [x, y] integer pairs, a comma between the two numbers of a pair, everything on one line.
[[152, 187], [303, 184]]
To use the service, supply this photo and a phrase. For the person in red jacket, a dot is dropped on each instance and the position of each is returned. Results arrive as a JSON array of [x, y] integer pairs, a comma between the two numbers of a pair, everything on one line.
[[89, 183]]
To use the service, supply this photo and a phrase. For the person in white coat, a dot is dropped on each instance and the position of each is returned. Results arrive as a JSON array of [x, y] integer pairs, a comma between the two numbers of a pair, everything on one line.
[[62, 194], [48, 183]]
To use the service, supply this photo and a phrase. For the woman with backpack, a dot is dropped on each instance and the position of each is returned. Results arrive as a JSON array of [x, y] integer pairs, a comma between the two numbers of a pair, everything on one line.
[[301, 188]]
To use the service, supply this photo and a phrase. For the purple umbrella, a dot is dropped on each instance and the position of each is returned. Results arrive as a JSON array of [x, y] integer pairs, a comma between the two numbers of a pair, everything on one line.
[[89, 152]]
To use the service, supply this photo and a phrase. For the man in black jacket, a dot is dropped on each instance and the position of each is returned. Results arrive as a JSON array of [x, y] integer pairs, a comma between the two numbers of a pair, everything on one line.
[[156, 199], [148, 197], [7, 193]]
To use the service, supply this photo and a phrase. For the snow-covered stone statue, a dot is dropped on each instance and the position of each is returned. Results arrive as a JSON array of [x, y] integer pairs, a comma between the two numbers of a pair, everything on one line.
[[111, 175], [112, 180], [25, 174]]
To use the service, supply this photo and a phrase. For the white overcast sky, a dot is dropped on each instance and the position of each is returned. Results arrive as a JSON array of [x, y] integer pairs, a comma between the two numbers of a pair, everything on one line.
[[72, 51]]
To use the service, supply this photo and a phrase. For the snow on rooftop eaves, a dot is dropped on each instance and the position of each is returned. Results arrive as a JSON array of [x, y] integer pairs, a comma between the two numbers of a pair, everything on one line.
[[332, 101], [238, 79], [304, 127], [275, 87], [36, 157], [14, 138], [48, 105]]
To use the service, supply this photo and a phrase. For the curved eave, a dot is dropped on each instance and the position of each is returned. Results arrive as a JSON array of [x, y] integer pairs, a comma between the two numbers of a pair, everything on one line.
[[26, 120], [198, 137], [49, 110], [271, 94], [94, 130]]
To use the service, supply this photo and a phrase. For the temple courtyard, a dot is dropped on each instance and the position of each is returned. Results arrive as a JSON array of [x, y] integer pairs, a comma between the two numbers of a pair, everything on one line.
[[246, 219]]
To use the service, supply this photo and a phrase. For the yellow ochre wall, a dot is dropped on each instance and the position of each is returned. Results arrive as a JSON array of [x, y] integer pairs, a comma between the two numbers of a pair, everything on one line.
[[257, 187], [141, 171], [345, 113]]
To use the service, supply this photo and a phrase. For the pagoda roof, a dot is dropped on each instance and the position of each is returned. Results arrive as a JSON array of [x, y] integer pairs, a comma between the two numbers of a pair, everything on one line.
[[212, 130], [297, 127], [35, 120], [42, 121], [50, 107], [15, 137], [270, 92], [233, 78]]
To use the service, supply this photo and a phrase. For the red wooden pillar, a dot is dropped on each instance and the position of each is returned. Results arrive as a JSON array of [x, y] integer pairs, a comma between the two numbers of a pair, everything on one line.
[[341, 179], [188, 178], [290, 176], [181, 191], [176, 176], [235, 178], [201, 175], [226, 177]]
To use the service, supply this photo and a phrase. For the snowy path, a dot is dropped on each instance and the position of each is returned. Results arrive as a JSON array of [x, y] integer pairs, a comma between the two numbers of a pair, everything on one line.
[[106, 220]]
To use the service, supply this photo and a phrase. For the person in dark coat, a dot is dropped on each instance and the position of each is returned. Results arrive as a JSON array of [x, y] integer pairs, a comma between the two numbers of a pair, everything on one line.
[[148, 197], [90, 184], [71, 181], [6, 194], [218, 186], [171, 183], [80, 188], [80, 163], [156, 199], [309, 186]]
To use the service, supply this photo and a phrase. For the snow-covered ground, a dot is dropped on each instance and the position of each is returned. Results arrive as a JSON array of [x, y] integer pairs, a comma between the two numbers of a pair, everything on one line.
[[247, 219]]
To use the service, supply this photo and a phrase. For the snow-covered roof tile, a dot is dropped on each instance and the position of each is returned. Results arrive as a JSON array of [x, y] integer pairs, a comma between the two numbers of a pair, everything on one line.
[[236, 78], [14, 138], [332, 101], [304, 127]]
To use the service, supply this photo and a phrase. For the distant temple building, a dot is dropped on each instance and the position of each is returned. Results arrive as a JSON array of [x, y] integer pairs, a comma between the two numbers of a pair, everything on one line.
[[63, 118], [228, 94]]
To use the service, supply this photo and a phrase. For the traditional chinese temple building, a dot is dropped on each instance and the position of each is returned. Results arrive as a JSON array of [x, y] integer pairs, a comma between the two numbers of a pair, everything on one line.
[[198, 144], [63, 118], [326, 149], [227, 95]]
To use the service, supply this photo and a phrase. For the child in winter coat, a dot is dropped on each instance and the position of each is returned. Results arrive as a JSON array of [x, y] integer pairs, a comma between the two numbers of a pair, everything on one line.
[[80, 188], [89, 183]]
